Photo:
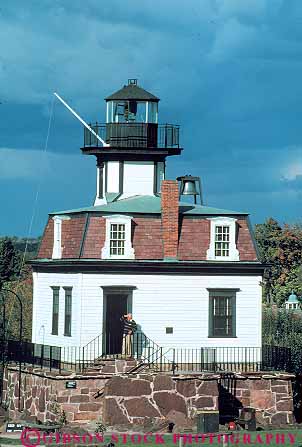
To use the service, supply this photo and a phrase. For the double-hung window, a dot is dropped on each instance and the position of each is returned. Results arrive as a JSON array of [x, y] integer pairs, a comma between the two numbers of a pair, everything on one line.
[[55, 310], [222, 313], [222, 240], [118, 243], [117, 239], [68, 311]]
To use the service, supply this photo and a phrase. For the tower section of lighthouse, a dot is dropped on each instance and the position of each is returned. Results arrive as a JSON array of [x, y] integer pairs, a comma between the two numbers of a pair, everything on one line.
[[133, 161]]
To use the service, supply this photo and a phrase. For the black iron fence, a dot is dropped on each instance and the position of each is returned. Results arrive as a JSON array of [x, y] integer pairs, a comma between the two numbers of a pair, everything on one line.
[[149, 355], [131, 135], [43, 356]]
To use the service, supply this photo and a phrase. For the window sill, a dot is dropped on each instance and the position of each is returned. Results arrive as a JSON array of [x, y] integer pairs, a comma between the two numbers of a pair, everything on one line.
[[222, 336], [67, 335], [54, 334]]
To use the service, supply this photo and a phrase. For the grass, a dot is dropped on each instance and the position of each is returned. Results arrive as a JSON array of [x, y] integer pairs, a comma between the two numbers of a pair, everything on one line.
[[273, 438]]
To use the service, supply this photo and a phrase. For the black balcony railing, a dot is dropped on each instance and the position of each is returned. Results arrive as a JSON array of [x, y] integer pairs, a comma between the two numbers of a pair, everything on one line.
[[133, 135]]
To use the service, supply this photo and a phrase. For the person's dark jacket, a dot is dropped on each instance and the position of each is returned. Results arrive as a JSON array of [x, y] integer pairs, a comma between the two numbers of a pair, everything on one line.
[[128, 325]]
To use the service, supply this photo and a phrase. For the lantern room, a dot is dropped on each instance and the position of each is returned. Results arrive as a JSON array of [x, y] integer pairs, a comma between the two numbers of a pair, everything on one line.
[[132, 123], [132, 104]]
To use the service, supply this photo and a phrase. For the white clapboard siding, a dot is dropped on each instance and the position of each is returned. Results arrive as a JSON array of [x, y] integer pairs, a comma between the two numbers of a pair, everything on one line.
[[159, 301], [42, 308], [113, 174], [138, 178]]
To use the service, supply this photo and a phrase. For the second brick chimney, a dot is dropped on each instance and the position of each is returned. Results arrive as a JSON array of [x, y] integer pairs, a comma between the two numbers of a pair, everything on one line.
[[169, 213]]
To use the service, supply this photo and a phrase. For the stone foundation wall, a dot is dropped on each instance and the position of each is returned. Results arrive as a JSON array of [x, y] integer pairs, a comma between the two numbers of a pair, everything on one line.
[[270, 395], [44, 396], [146, 401], [150, 399]]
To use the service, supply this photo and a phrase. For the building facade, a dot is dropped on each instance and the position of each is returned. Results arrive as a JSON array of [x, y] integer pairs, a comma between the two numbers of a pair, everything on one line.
[[187, 272]]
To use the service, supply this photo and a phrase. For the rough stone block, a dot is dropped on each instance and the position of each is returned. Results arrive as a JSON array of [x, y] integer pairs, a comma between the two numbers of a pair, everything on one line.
[[242, 384], [62, 399], [120, 365], [280, 388], [279, 419], [90, 406], [42, 400], [112, 413], [186, 387], [108, 369], [259, 384], [261, 399], [204, 402], [140, 407], [163, 382], [84, 390], [119, 386], [208, 388], [86, 416], [169, 401], [79, 398], [284, 405]]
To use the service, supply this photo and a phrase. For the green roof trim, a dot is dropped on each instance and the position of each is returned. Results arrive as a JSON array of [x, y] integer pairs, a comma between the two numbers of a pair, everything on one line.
[[151, 205], [111, 196]]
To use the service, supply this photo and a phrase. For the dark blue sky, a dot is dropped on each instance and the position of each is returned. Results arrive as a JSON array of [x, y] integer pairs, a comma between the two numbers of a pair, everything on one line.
[[228, 71]]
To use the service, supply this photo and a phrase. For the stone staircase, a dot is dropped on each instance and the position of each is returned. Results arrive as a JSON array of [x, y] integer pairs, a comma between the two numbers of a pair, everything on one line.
[[111, 366], [120, 366]]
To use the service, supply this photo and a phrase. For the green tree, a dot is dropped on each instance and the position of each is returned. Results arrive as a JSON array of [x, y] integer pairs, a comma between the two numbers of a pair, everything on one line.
[[281, 247], [10, 261]]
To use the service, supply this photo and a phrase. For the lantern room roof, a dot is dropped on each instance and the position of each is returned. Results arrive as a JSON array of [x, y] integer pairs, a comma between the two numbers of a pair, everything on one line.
[[132, 91]]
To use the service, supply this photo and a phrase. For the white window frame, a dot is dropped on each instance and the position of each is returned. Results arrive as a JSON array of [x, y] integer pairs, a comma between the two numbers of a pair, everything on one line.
[[57, 236], [233, 252], [128, 249]]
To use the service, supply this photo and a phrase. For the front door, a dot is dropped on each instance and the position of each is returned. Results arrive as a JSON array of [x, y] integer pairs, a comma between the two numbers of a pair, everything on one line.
[[116, 306]]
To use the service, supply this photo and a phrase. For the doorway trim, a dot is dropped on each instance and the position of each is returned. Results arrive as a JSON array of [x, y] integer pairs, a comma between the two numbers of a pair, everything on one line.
[[115, 290]]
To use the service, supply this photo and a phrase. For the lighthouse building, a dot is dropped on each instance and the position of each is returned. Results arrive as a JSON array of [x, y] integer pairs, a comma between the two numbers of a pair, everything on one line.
[[188, 273]]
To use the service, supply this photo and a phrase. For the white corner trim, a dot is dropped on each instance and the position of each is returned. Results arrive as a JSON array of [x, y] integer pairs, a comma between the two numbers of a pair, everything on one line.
[[57, 236], [129, 250], [99, 201], [233, 252]]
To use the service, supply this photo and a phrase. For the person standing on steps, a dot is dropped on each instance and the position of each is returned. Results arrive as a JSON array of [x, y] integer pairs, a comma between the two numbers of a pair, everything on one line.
[[129, 328]]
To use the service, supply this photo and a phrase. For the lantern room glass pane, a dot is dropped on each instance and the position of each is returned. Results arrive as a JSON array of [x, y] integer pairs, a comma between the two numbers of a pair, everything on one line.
[[152, 112], [127, 111]]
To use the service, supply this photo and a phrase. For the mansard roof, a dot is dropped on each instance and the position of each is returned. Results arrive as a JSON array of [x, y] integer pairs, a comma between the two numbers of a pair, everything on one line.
[[150, 205]]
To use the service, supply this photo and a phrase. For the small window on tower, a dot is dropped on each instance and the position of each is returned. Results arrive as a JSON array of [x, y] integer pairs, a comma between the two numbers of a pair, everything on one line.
[[117, 239]]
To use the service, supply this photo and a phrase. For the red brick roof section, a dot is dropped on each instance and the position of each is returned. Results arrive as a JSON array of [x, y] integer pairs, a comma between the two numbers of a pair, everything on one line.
[[95, 238], [194, 239], [45, 250], [72, 233], [147, 238], [245, 244]]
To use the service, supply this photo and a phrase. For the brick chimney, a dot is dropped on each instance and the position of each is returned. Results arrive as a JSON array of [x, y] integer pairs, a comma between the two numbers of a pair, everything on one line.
[[169, 216]]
